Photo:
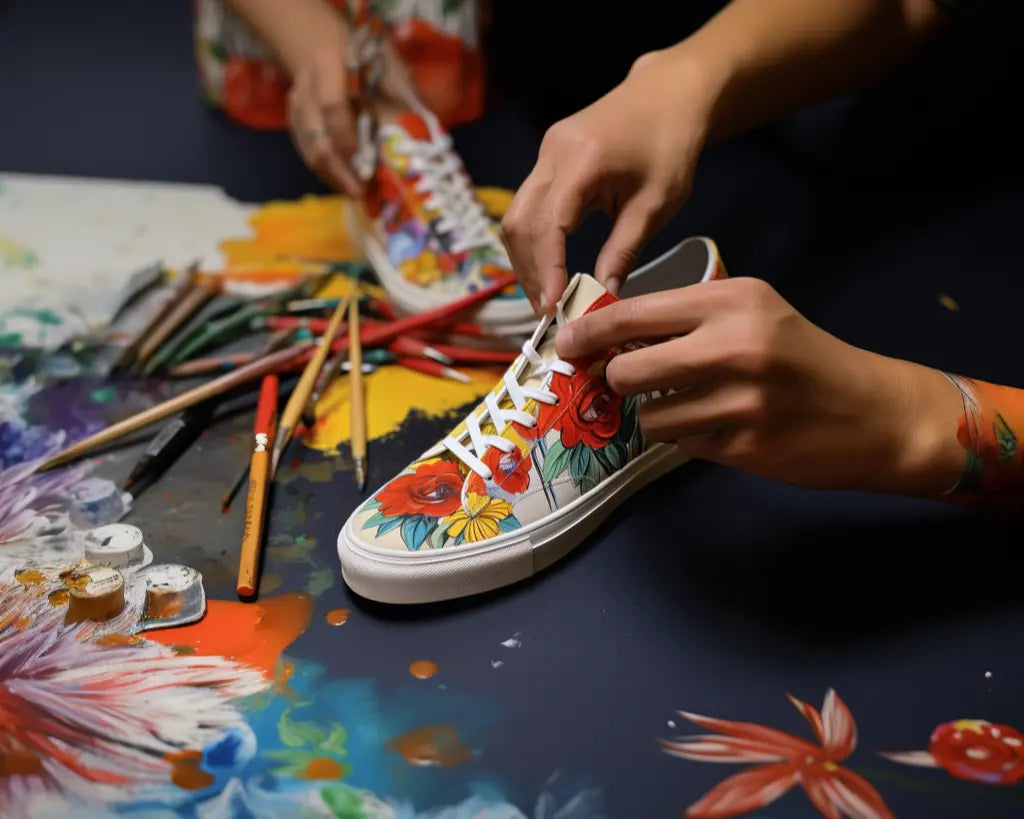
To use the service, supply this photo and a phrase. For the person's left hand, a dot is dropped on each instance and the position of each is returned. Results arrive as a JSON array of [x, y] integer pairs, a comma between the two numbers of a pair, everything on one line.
[[753, 384]]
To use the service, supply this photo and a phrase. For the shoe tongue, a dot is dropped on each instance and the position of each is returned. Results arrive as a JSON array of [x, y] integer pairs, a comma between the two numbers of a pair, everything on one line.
[[583, 295]]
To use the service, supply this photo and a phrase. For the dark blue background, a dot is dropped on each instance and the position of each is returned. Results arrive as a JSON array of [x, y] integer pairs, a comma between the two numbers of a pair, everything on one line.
[[713, 592]]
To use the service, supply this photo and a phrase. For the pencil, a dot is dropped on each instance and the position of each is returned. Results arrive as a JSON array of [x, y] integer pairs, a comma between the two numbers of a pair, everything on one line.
[[430, 367], [297, 400], [274, 342], [259, 488], [191, 300], [261, 366], [126, 357], [357, 401]]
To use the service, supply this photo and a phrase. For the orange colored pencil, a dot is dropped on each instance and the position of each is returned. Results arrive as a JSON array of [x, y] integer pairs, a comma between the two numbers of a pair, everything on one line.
[[259, 488]]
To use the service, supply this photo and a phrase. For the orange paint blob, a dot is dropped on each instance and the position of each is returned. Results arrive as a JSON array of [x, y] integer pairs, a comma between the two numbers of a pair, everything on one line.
[[58, 597], [337, 617], [119, 640], [30, 577], [19, 763], [438, 745], [22, 623], [185, 770], [323, 767], [183, 651], [251, 633], [423, 669]]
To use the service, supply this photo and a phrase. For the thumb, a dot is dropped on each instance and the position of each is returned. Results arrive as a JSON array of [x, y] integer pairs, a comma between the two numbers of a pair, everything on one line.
[[633, 225]]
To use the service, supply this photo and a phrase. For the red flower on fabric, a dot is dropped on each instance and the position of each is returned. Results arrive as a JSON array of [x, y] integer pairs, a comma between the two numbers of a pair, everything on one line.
[[434, 489], [972, 749], [787, 761], [511, 471], [588, 410]]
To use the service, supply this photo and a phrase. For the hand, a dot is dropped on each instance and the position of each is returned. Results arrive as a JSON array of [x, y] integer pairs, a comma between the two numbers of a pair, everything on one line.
[[631, 154], [754, 385], [320, 116]]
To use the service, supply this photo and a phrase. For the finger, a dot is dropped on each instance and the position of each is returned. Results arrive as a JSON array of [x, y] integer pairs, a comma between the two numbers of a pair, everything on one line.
[[330, 94], [560, 214], [711, 408], [653, 316], [515, 232], [633, 225], [677, 364], [314, 144]]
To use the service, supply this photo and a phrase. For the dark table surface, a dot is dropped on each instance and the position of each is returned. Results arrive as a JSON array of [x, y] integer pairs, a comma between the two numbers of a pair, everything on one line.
[[713, 592]]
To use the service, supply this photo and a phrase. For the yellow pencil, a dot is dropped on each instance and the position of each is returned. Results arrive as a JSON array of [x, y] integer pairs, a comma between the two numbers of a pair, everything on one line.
[[300, 395], [357, 401]]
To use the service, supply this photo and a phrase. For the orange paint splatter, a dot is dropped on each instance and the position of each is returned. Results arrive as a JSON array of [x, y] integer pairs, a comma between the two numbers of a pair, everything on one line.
[[58, 597], [22, 623], [438, 745], [119, 640], [251, 633], [423, 669], [183, 651], [19, 763], [185, 770], [323, 767], [337, 617], [30, 577]]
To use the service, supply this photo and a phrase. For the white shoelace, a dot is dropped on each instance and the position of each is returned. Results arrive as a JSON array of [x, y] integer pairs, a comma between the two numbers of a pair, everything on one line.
[[448, 189], [501, 417]]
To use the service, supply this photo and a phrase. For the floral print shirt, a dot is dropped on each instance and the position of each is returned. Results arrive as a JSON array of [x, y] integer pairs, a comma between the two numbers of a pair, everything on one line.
[[438, 39]]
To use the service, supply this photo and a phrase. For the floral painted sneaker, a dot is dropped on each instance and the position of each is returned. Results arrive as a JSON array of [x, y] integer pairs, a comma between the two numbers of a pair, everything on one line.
[[527, 476], [425, 231]]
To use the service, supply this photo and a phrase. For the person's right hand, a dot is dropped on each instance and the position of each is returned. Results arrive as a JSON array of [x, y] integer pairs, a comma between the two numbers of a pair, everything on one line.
[[632, 154], [320, 115]]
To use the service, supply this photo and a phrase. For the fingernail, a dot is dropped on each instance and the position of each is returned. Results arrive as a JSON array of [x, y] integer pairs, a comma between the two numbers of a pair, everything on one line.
[[544, 304]]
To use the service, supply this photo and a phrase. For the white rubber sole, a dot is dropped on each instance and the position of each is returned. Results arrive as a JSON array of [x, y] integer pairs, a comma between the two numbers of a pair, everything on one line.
[[506, 319], [429, 576]]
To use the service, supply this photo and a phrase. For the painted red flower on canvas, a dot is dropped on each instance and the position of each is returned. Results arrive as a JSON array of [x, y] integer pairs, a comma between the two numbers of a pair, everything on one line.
[[433, 489], [785, 761], [511, 471], [972, 749], [588, 410]]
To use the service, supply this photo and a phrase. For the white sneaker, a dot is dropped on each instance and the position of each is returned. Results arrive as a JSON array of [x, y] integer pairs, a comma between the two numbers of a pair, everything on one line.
[[425, 232], [528, 475]]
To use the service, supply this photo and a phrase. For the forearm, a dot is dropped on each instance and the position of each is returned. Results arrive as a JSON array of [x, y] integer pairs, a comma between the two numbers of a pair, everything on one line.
[[294, 30], [760, 59]]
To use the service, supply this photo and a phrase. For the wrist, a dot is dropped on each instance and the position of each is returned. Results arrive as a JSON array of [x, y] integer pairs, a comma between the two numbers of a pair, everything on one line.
[[918, 410]]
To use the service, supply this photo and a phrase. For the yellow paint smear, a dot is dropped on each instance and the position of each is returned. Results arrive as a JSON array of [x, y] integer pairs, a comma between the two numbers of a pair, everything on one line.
[[391, 394], [311, 228]]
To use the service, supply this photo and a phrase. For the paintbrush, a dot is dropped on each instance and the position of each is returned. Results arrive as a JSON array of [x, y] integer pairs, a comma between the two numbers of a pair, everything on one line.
[[261, 366], [357, 399], [326, 376], [300, 395]]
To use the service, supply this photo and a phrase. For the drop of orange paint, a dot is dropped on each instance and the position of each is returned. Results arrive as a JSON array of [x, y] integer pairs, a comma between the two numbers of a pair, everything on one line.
[[423, 669], [252, 633], [58, 597], [323, 767], [337, 617], [30, 577], [22, 623], [19, 763], [431, 745], [185, 770]]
